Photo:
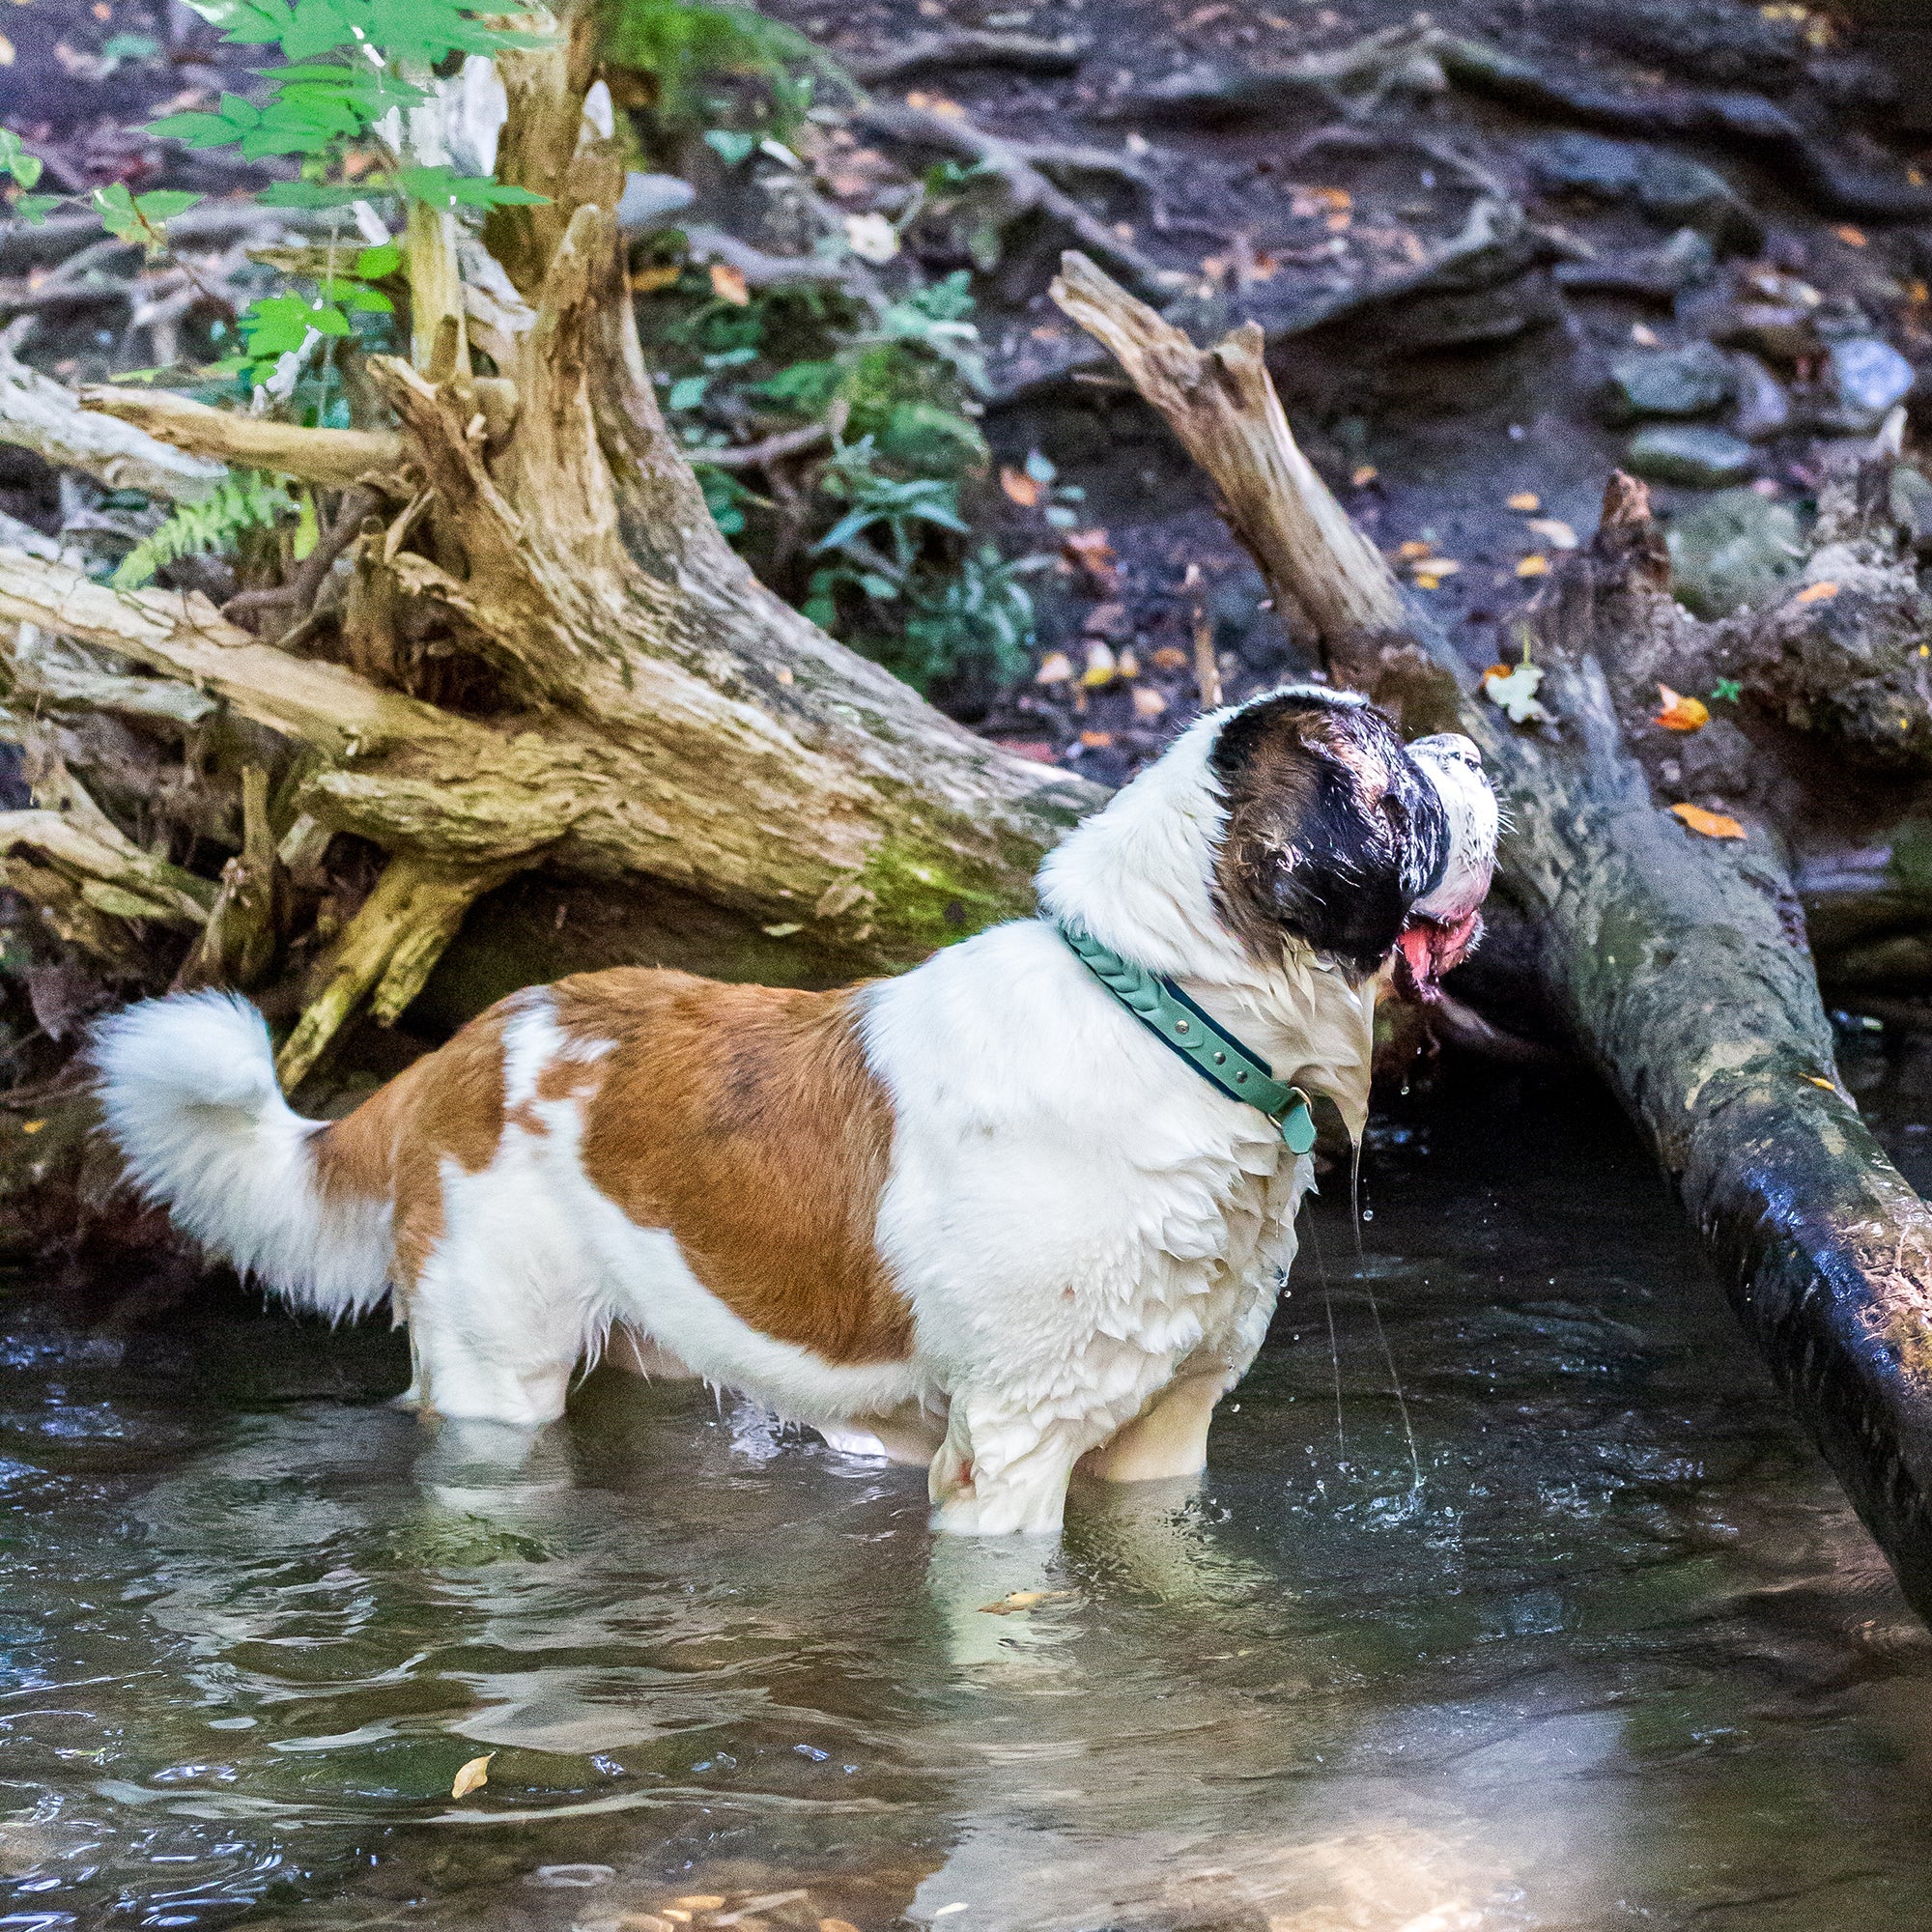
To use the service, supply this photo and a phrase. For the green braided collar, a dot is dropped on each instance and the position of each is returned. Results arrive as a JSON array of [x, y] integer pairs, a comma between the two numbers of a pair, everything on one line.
[[1207, 1046]]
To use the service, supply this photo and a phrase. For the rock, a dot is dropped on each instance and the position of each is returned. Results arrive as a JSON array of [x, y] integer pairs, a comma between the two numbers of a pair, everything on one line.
[[1587, 164], [1651, 274], [1735, 549], [1700, 459], [648, 200], [1667, 186], [1763, 406], [1780, 330], [1718, 761], [1687, 382], [1865, 376], [1911, 502]]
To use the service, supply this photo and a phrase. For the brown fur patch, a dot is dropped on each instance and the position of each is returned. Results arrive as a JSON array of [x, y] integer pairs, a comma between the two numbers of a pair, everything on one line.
[[745, 1121], [450, 1105]]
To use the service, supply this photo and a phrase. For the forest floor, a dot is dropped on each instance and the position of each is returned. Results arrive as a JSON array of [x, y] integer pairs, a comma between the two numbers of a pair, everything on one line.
[[1476, 307]]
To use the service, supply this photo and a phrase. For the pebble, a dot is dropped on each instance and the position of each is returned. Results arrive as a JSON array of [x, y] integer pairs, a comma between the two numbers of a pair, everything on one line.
[[1763, 406], [1687, 382], [1699, 458]]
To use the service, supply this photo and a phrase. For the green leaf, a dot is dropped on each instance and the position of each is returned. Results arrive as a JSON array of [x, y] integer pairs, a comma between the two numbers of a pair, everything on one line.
[[14, 159], [445, 187], [34, 209], [119, 48], [274, 325], [730, 145], [687, 392], [382, 259], [163, 204], [325, 319]]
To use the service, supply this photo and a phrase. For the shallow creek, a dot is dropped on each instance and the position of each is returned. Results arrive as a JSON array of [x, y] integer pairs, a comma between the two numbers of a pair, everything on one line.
[[1622, 1656]]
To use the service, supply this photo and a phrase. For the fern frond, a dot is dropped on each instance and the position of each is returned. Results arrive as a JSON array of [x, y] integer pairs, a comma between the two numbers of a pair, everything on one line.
[[246, 501]]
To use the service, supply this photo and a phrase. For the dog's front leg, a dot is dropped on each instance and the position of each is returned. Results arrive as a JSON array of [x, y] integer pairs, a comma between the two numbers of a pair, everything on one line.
[[1004, 1467], [1168, 1438]]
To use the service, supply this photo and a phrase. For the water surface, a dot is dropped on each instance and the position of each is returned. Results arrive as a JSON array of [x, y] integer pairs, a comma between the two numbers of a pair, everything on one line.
[[1622, 1656]]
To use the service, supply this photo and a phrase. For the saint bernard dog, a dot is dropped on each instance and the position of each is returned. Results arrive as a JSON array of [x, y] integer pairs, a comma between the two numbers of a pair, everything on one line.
[[978, 1216]]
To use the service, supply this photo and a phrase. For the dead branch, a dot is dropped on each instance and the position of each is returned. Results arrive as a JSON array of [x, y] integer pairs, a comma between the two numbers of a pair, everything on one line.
[[335, 457]]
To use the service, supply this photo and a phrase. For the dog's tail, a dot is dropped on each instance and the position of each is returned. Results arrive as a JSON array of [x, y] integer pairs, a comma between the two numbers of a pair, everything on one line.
[[189, 1088]]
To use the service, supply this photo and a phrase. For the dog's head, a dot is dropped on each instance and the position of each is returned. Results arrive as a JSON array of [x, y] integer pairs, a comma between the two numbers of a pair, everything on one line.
[[1339, 835]]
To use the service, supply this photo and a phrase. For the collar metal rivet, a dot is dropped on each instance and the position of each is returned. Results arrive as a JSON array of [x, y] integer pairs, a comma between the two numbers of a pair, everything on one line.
[[1181, 1026]]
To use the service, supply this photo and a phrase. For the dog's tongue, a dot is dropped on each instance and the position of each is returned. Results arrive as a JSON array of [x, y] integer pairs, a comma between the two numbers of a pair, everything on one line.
[[1429, 948]]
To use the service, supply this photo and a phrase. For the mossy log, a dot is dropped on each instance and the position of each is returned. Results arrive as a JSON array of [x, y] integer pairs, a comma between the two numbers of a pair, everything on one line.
[[1679, 962]]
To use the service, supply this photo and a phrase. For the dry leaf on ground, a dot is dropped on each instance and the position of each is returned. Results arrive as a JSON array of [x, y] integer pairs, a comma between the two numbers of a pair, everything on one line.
[[1019, 486], [1681, 713], [1525, 499], [1710, 824], [1817, 593], [472, 1777], [728, 285], [1021, 1600]]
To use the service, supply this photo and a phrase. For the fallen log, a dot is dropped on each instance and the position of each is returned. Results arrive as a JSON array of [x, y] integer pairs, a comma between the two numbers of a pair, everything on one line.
[[1678, 962]]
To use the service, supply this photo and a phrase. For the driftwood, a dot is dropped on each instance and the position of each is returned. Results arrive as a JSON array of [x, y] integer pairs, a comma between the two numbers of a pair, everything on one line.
[[1679, 962]]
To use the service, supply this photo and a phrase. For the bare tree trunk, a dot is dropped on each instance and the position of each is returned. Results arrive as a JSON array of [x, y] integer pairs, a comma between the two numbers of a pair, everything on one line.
[[1679, 962]]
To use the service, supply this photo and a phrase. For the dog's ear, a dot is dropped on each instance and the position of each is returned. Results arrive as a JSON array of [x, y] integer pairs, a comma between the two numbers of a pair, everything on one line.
[[1332, 830]]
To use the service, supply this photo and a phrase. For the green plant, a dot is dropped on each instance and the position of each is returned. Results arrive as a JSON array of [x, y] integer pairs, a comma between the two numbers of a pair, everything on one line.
[[683, 50], [246, 501]]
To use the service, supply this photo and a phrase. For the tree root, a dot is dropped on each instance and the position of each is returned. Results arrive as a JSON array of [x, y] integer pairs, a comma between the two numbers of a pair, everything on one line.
[[971, 47]]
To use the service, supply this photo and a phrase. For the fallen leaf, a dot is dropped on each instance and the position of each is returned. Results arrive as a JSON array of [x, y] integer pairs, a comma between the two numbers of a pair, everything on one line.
[[1681, 713], [644, 1921], [1533, 565], [1427, 580], [1363, 474], [1127, 665], [1554, 531], [1055, 667], [1090, 549], [660, 276], [699, 1901], [1525, 499], [1817, 1081], [727, 284], [1169, 657], [1101, 666], [1021, 1600], [473, 1776], [936, 104], [1201, 16], [873, 237], [1643, 336], [1037, 749], [1514, 689], [5, 51], [1852, 238], [1097, 741], [1413, 549], [32, 1126], [1817, 593], [1710, 824], [1019, 486], [1149, 701]]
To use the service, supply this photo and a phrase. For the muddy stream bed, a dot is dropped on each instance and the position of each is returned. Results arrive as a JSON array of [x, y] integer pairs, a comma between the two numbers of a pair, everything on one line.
[[1623, 1655]]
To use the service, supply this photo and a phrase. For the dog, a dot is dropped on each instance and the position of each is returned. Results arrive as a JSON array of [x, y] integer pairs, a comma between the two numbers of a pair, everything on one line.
[[978, 1216]]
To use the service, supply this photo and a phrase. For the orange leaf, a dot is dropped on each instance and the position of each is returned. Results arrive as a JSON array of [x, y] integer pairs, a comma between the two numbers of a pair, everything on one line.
[[1097, 741], [1055, 667], [1533, 566], [1525, 499], [1020, 486], [1364, 474], [1852, 238], [727, 284], [1681, 713], [1816, 1081], [1711, 824], [1149, 702], [472, 1777], [1169, 657], [1817, 593], [1090, 549], [1414, 548]]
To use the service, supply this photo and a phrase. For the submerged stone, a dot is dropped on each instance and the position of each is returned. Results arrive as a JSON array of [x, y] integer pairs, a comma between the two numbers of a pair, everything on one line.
[[1687, 382], [1699, 458]]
